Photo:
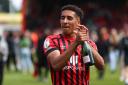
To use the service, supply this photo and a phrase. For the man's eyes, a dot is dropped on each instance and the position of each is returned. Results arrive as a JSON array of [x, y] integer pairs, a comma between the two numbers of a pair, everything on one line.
[[68, 17]]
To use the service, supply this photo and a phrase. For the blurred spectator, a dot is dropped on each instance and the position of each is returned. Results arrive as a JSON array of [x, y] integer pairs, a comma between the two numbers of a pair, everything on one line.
[[124, 51], [113, 49], [102, 45], [26, 62], [3, 56], [12, 55], [34, 40], [17, 49], [42, 60], [34, 37], [121, 56]]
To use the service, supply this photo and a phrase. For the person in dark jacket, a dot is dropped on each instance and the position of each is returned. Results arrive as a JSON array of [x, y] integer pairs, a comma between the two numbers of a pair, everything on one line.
[[42, 60], [3, 57]]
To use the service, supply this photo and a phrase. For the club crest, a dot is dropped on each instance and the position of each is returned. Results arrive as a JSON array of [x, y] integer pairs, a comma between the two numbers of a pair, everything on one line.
[[46, 43]]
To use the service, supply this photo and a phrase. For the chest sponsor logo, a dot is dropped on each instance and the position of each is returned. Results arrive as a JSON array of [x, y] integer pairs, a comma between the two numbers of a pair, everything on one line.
[[74, 60]]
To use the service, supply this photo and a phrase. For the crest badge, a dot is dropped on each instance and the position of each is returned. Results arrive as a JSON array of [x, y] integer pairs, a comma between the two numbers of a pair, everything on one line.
[[46, 43]]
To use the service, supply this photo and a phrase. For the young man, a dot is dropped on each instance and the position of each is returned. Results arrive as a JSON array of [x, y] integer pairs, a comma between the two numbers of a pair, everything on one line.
[[64, 50], [3, 55], [124, 52]]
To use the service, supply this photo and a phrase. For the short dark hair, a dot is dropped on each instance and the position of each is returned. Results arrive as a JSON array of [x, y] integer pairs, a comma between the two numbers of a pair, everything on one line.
[[79, 12]]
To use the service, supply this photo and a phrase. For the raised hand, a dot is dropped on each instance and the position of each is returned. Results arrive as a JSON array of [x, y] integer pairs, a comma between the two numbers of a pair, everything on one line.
[[81, 33]]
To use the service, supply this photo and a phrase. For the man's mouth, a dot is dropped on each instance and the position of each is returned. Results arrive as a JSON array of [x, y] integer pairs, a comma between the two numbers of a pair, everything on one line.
[[65, 27]]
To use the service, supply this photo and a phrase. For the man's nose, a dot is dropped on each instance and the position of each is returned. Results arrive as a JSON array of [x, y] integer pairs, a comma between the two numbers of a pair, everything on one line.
[[65, 20]]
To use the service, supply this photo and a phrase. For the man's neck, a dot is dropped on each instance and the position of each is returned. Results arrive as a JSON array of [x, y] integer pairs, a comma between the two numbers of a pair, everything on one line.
[[69, 36]]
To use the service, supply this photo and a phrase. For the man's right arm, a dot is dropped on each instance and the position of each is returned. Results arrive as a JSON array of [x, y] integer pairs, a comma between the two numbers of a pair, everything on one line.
[[58, 60]]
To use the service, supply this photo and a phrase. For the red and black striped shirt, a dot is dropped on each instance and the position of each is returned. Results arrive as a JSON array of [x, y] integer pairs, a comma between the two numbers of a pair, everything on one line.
[[75, 71]]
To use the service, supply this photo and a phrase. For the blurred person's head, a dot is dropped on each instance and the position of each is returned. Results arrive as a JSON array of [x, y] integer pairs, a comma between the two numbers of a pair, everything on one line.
[[0, 37], [126, 29], [16, 34], [103, 30], [47, 31], [21, 35], [10, 34], [103, 33], [27, 34], [57, 31], [71, 17], [1, 34], [94, 36], [113, 31]]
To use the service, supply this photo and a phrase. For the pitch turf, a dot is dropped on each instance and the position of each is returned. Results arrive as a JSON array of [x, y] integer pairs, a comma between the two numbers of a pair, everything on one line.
[[17, 78], [109, 77]]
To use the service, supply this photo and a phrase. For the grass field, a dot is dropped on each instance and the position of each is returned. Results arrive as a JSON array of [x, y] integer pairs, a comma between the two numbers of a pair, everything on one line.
[[109, 78], [16, 78]]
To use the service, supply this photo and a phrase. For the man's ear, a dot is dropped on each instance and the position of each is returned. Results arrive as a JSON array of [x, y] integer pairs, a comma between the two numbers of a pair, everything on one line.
[[78, 20]]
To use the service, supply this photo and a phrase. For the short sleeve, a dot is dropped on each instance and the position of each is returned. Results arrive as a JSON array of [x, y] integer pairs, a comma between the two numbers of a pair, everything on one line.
[[49, 45]]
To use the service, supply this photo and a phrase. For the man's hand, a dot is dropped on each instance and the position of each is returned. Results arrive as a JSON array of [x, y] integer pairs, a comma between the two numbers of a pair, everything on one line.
[[81, 33]]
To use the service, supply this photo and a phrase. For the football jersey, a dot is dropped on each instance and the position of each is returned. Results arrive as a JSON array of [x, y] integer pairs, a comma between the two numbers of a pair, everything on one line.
[[75, 72]]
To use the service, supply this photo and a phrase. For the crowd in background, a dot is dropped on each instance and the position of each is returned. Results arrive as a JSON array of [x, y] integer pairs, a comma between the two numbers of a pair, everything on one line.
[[24, 50]]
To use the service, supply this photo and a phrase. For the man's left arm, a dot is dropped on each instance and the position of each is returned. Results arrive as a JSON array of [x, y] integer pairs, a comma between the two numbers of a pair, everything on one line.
[[99, 61]]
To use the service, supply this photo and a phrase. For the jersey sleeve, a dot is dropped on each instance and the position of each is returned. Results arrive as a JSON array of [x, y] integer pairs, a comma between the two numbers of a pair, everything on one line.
[[49, 45]]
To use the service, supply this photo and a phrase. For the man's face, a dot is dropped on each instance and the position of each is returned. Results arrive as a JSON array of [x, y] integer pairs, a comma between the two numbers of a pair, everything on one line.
[[69, 21]]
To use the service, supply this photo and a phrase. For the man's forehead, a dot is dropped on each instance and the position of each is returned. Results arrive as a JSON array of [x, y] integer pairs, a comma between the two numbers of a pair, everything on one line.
[[68, 12]]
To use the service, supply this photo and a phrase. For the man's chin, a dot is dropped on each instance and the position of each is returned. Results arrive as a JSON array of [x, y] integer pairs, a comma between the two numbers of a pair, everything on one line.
[[66, 32], [66, 28]]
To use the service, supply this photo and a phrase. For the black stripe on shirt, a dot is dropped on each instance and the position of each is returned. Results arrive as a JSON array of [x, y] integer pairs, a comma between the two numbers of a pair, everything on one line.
[[65, 71], [77, 71], [71, 71], [60, 72], [82, 72], [63, 42]]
